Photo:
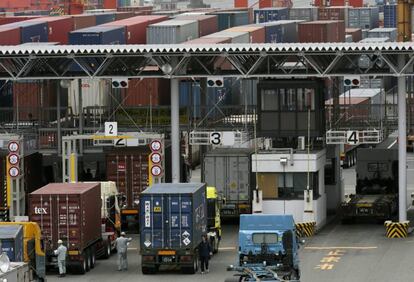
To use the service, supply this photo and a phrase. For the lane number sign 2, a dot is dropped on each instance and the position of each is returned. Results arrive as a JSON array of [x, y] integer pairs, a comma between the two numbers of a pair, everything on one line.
[[111, 128], [352, 137]]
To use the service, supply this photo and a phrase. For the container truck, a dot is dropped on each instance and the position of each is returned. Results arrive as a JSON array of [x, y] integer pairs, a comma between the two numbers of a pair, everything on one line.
[[71, 212], [229, 170], [173, 217], [268, 249], [376, 194]]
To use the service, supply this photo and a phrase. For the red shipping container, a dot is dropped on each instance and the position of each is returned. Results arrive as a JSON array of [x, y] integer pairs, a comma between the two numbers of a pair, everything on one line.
[[337, 2], [29, 98], [356, 3], [83, 21], [210, 40], [15, 4], [109, 4], [265, 4], [333, 13], [129, 170], [322, 31], [58, 28], [136, 27], [154, 91], [241, 3], [7, 20], [9, 36], [355, 32], [124, 15], [67, 211], [257, 33], [207, 24]]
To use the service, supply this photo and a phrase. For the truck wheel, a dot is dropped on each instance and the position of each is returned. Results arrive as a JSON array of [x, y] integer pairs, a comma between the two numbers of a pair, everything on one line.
[[107, 250], [92, 258], [148, 270], [233, 279], [87, 259], [82, 267], [194, 268], [295, 275]]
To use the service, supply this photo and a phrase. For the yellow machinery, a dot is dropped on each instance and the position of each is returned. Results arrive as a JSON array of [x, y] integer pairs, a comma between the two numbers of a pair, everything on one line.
[[404, 20], [213, 218], [33, 252]]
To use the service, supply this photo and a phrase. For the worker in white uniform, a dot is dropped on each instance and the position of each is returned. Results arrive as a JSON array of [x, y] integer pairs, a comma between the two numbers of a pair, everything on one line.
[[61, 252], [122, 247]]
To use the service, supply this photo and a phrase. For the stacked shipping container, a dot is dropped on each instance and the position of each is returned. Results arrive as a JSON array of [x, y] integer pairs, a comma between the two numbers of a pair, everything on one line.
[[366, 18], [308, 14], [271, 15], [390, 33], [390, 15], [356, 34], [207, 24], [322, 31], [172, 32]]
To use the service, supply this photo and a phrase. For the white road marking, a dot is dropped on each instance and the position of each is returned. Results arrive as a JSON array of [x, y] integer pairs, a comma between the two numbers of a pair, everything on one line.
[[227, 248]]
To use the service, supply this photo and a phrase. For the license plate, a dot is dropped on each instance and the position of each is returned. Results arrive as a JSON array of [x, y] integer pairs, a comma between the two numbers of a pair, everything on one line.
[[167, 259], [228, 212], [364, 210]]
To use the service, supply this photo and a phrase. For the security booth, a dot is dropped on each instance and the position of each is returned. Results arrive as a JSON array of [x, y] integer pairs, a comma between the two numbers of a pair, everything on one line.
[[284, 107]]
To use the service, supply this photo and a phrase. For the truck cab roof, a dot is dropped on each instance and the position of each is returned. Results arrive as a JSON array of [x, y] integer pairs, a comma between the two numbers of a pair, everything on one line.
[[266, 222]]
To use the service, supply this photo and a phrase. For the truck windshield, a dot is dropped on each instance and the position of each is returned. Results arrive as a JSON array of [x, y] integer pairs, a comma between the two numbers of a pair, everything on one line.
[[264, 238]]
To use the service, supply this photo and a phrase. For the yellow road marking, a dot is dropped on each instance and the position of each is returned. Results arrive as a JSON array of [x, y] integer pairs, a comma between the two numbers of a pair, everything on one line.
[[346, 248]]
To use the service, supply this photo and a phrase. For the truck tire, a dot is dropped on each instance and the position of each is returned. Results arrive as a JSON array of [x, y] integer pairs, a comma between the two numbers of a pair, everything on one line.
[[233, 279], [148, 270], [191, 269], [107, 249], [82, 267], [92, 258], [87, 259]]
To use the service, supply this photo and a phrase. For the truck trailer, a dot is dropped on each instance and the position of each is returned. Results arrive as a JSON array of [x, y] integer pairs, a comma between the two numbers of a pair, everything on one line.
[[173, 217], [71, 212], [229, 170]]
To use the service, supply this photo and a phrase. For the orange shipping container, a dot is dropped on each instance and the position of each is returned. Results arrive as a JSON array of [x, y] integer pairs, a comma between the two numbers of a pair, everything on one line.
[[240, 3], [148, 91], [109, 4]]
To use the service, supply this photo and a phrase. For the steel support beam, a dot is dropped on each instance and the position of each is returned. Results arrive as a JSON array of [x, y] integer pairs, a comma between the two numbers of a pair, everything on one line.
[[402, 145], [175, 130], [58, 119]]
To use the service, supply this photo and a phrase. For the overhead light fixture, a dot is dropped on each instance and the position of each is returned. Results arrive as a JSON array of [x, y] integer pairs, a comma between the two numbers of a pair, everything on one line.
[[65, 83], [166, 68]]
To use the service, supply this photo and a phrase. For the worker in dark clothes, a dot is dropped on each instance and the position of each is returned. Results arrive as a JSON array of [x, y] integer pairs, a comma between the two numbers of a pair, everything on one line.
[[205, 251]]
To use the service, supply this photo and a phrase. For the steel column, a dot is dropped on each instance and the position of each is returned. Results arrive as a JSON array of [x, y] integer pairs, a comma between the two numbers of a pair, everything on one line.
[[175, 131], [402, 145], [80, 114], [58, 120]]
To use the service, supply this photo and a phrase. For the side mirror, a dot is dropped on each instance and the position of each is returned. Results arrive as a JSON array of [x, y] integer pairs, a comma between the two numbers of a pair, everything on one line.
[[230, 267]]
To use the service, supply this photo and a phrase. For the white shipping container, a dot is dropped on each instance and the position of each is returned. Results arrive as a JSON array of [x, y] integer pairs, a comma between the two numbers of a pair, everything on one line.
[[308, 14], [236, 36], [390, 33], [172, 32], [95, 93]]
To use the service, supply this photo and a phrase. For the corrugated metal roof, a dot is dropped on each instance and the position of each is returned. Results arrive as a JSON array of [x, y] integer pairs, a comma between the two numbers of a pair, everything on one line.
[[195, 48]]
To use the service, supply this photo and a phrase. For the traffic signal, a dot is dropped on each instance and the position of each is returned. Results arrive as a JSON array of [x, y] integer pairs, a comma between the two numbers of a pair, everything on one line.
[[352, 81], [120, 83], [215, 81]]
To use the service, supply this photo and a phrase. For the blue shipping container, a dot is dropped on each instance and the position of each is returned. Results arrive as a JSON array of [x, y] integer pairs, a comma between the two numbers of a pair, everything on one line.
[[390, 16], [11, 241], [105, 18], [98, 35], [173, 216], [271, 15]]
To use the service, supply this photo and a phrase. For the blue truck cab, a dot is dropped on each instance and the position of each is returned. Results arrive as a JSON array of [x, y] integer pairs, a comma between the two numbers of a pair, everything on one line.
[[269, 240]]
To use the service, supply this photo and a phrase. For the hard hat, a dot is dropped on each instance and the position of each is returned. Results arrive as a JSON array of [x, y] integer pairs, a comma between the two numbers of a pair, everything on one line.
[[60, 241], [123, 234]]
